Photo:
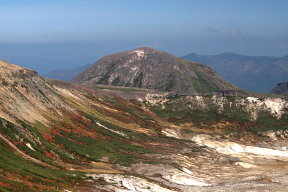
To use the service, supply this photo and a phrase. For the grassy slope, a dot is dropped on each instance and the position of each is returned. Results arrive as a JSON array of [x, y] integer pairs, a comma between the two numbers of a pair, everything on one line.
[[79, 137], [75, 140]]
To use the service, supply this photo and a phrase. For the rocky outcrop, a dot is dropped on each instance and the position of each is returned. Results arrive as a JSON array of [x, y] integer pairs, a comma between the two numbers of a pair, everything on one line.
[[226, 105], [152, 69]]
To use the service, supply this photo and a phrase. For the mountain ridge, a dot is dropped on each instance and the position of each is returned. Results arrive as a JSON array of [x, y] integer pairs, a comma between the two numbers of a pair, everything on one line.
[[25, 93]]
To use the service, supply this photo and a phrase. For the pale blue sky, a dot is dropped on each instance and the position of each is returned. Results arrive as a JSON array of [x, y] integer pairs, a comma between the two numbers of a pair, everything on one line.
[[67, 29]]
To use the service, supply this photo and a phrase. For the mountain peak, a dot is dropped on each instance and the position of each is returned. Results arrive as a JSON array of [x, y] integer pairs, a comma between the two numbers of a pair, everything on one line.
[[142, 51], [152, 69], [146, 49]]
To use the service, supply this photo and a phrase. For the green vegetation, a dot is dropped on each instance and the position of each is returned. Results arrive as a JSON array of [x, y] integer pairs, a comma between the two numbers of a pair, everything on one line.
[[136, 113], [118, 152], [266, 122], [32, 177], [203, 82], [202, 85], [176, 114], [42, 152]]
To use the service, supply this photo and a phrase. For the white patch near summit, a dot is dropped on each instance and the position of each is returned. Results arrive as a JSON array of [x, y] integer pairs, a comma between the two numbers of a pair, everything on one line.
[[140, 53]]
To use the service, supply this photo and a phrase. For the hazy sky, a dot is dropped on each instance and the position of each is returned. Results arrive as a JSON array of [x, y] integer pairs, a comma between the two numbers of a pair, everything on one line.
[[65, 33]]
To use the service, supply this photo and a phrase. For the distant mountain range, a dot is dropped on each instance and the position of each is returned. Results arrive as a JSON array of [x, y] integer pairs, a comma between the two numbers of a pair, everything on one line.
[[254, 73], [152, 69]]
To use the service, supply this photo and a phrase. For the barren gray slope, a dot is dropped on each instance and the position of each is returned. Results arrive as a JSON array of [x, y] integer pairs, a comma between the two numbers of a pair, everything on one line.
[[152, 69]]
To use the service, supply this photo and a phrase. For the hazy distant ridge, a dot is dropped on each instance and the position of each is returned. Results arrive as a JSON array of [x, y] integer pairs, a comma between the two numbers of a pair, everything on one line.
[[255, 73]]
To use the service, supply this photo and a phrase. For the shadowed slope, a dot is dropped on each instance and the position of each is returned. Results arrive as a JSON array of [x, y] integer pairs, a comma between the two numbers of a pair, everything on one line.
[[281, 89]]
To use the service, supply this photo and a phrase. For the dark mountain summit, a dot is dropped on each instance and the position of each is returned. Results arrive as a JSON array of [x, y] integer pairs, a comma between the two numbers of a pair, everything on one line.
[[254, 73], [281, 89], [152, 69]]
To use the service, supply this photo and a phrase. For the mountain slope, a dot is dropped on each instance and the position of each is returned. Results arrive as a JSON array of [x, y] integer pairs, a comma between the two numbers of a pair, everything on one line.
[[51, 136], [152, 69], [25, 95], [254, 73], [57, 136], [281, 89]]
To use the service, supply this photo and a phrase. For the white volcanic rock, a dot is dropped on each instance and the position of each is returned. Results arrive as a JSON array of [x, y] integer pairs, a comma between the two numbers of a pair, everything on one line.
[[228, 147], [124, 183]]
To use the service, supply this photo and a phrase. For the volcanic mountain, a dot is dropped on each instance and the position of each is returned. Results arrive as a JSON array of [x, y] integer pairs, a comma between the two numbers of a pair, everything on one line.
[[281, 88], [152, 69]]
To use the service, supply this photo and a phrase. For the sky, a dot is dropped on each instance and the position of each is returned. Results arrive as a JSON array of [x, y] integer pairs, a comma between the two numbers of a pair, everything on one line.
[[49, 34]]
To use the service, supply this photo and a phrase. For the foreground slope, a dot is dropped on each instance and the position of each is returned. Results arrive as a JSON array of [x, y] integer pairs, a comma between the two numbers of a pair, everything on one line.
[[57, 136], [254, 73], [152, 69]]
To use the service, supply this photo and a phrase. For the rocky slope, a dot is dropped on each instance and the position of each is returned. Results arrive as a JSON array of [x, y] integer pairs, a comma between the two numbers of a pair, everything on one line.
[[25, 95], [281, 89], [254, 73], [152, 69], [56, 136]]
